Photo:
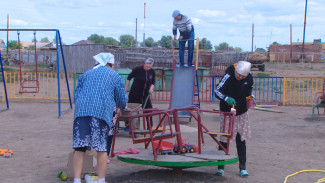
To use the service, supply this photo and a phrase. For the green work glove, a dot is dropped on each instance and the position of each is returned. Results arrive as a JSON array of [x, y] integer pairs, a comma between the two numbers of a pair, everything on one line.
[[231, 101]]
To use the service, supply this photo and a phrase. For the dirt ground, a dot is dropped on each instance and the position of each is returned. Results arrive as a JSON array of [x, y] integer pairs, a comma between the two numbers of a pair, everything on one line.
[[281, 144]]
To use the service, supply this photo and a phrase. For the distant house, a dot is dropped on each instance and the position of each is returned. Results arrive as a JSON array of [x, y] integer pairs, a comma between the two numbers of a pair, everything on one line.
[[83, 42], [3, 45], [39, 45]]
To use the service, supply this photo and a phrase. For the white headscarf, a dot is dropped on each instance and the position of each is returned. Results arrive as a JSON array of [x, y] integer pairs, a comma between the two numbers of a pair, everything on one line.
[[243, 68], [102, 59]]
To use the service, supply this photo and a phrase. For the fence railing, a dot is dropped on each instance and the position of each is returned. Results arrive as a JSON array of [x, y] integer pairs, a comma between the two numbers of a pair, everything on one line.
[[302, 90], [48, 87], [267, 90]]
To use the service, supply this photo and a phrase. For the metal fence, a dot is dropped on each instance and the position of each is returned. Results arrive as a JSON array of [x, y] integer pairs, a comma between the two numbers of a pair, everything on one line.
[[267, 90], [301, 90]]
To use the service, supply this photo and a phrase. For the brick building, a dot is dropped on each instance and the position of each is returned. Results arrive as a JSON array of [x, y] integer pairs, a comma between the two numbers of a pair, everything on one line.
[[313, 52]]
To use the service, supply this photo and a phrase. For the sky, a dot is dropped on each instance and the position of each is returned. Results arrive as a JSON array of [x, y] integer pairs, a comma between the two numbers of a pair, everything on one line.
[[218, 21]]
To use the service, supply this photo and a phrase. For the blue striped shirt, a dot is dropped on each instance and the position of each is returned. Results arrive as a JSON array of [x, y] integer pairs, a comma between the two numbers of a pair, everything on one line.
[[97, 92]]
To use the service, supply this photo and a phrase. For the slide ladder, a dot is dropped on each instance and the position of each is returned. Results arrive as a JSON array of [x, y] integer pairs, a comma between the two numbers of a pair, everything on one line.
[[196, 90]]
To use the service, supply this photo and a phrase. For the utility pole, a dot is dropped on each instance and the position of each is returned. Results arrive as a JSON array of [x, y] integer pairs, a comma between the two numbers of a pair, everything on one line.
[[136, 32], [303, 38], [252, 36], [144, 26], [8, 33], [290, 42]]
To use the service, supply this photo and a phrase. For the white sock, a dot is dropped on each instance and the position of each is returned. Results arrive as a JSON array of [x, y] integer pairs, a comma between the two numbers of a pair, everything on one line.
[[76, 180], [101, 180]]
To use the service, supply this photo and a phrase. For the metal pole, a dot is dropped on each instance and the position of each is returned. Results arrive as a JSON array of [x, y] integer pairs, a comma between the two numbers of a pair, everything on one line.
[[7, 34], [144, 26], [303, 38], [136, 32], [252, 36], [290, 42]]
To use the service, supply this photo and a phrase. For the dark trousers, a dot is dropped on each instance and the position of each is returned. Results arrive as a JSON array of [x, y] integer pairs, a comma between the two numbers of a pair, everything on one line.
[[190, 44], [109, 144], [241, 151]]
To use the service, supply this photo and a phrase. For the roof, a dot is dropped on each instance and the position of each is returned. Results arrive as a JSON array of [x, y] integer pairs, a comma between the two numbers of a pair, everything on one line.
[[83, 42], [38, 44]]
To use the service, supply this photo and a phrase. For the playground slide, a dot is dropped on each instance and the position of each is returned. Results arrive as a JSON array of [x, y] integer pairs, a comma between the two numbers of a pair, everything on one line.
[[182, 91]]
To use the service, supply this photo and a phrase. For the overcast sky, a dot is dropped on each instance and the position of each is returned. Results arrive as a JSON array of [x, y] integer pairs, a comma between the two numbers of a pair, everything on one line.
[[217, 20]]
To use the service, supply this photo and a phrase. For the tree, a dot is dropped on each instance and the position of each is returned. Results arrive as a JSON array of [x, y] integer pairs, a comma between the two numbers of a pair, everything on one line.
[[111, 41], [205, 44], [31, 47], [237, 49], [275, 42], [260, 50], [45, 40], [221, 46], [14, 45], [95, 38], [54, 41], [127, 40], [33, 40], [150, 42], [165, 42]]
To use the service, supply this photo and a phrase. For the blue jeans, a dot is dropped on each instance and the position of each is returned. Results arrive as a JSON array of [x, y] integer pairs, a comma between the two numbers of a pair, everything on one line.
[[190, 44]]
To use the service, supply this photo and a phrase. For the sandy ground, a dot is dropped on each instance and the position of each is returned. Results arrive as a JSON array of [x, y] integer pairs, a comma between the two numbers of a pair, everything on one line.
[[281, 144]]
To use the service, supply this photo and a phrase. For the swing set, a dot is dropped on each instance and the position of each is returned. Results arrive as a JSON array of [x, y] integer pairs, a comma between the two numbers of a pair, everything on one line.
[[34, 83], [30, 83]]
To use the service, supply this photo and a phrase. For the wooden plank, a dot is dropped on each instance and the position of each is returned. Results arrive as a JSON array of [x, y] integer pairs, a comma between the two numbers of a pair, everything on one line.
[[218, 133], [160, 129], [208, 156], [267, 110], [211, 155]]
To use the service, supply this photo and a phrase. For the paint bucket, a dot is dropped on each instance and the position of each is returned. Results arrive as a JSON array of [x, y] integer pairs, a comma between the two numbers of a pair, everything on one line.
[[250, 102]]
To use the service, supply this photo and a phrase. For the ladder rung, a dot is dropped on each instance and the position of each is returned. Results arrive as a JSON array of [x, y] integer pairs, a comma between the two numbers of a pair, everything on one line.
[[218, 133]]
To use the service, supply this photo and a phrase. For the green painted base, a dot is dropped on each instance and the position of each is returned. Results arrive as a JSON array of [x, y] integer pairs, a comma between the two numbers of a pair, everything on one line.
[[179, 165]]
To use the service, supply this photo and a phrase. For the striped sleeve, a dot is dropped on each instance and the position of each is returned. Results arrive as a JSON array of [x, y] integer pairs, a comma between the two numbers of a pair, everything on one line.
[[221, 87]]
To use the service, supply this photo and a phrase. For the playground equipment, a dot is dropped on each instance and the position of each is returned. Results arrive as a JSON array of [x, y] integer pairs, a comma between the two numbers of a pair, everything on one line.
[[163, 130], [34, 79], [181, 105], [320, 100], [34, 83], [4, 85], [184, 89]]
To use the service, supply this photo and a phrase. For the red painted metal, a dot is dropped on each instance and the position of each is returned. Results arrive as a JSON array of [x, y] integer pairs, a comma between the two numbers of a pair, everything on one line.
[[152, 134]]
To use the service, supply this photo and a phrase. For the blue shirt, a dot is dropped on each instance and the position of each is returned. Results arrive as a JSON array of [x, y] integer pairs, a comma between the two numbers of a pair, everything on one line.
[[97, 92]]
